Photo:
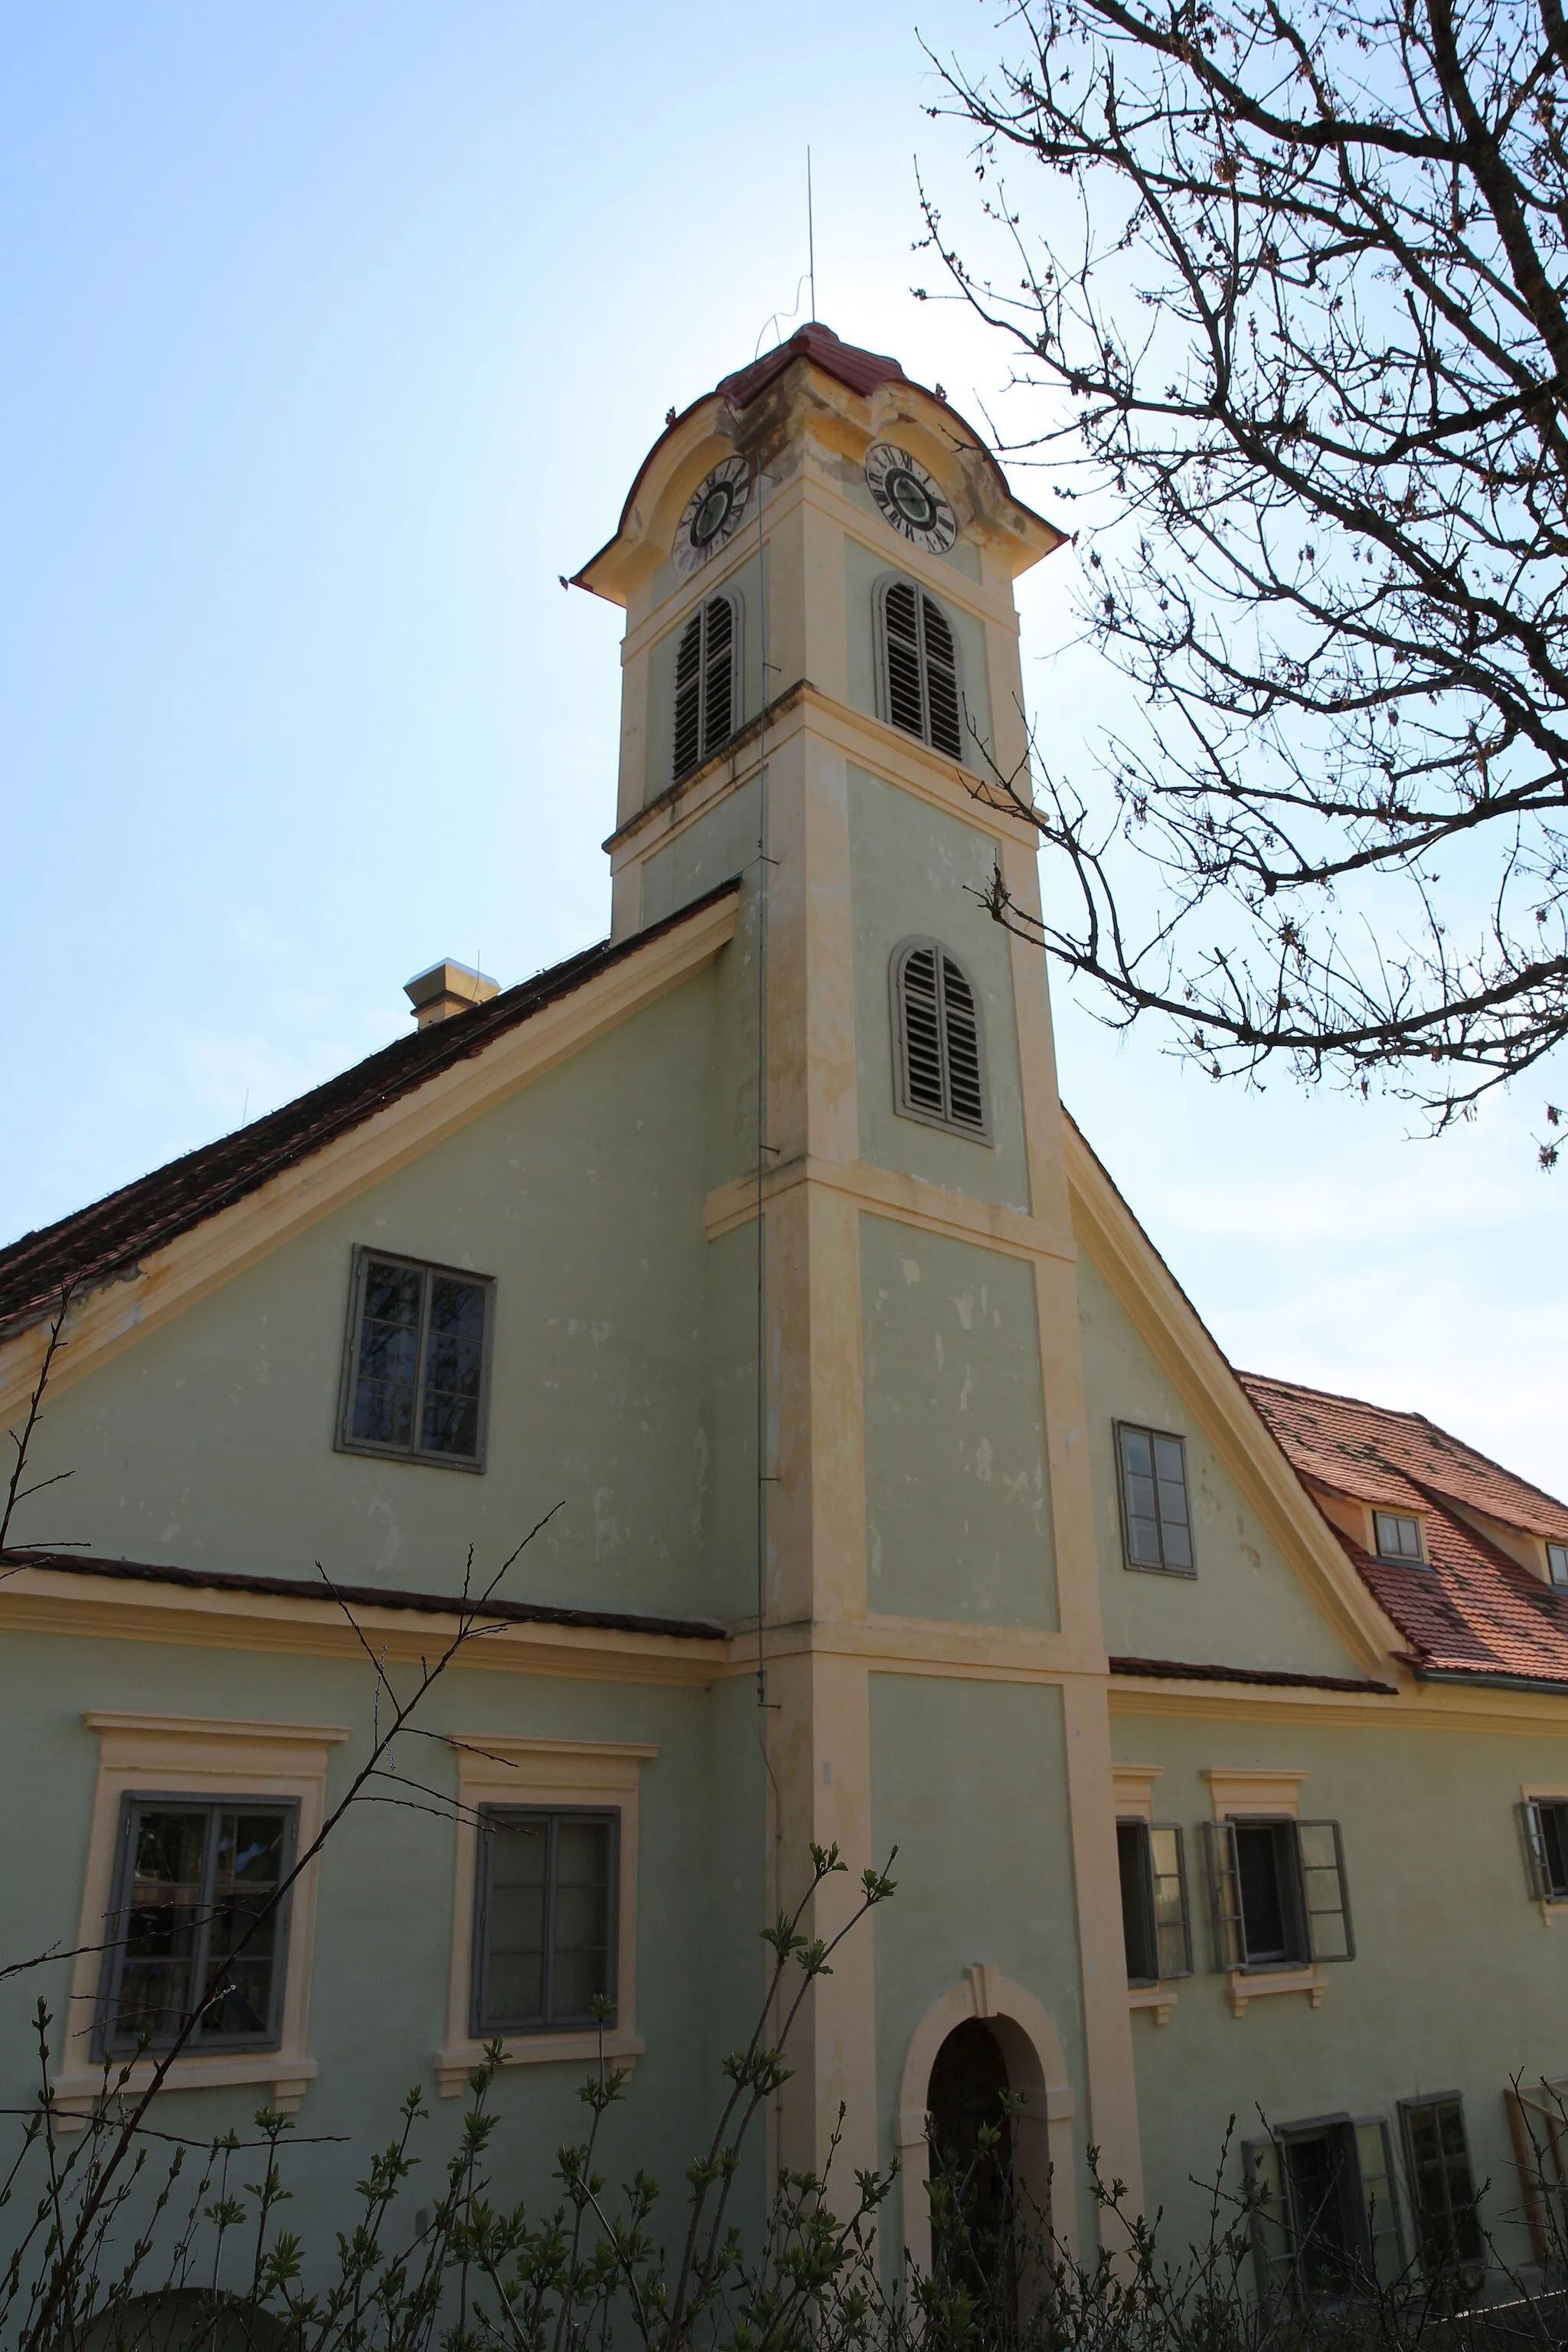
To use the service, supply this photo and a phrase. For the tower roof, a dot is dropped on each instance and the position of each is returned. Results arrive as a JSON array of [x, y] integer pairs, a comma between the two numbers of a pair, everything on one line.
[[861, 371]]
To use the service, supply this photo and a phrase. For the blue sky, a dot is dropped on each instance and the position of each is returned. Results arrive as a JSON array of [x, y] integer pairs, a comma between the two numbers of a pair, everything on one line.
[[330, 336]]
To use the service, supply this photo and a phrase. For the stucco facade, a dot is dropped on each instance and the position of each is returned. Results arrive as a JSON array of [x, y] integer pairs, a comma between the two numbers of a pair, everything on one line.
[[928, 1559]]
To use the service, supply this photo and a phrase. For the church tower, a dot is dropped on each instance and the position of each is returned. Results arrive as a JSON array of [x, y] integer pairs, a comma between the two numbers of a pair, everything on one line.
[[821, 669]]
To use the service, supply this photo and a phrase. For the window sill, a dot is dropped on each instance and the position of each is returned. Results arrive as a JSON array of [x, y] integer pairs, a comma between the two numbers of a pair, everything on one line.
[[1160, 1999], [454, 2065], [1552, 1908], [77, 2094], [1248, 1985]]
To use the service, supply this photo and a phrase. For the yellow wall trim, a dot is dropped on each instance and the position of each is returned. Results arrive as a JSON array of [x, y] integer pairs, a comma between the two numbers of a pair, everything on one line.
[[1036, 2072], [47, 1600], [501, 1769], [200, 1756], [1243, 1990], [1261, 1789], [909, 1200], [1415, 1707]]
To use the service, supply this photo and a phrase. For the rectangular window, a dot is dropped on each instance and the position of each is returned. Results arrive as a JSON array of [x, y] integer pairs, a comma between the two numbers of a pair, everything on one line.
[[1154, 1920], [1397, 1536], [1545, 1822], [196, 1883], [1325, 2224], [1557, 1562], [544, 1942], [416, 1373], [1156, 1525], [1278, 1892], [1442, 2187]]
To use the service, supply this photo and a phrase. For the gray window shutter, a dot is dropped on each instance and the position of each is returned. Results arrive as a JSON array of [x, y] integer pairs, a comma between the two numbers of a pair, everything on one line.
[[1173, 1921], [1535, 1861], [1326, 1898], [1228, 1934], [1385, 2242], [1268, 2215], [689, 699]]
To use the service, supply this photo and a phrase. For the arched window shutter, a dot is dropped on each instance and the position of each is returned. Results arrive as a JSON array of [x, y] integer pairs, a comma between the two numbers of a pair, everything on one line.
[[919, 668], [706, 684], [940, 1055]]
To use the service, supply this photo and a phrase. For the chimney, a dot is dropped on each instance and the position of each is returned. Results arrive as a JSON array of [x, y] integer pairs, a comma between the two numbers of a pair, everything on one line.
[[447, 988]]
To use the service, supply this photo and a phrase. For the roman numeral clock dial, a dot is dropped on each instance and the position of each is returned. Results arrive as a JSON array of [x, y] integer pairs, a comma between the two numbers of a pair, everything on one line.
[[712, 515], [909, 498]]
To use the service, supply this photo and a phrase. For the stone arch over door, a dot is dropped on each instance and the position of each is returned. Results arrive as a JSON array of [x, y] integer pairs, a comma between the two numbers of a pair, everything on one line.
[[1036, 2072]]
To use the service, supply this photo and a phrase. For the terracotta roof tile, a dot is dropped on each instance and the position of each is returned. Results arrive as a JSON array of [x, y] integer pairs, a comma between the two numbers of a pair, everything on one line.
[[1473, 1610], [98, 1243], [861, 371]]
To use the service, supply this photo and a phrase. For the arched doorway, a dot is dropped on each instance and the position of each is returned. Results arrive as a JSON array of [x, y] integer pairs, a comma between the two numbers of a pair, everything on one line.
[[970, 2135], [1040, 2133]]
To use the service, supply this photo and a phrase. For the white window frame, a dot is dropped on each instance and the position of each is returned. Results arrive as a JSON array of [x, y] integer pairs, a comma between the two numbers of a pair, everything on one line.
[[202, 1758], [1400, 1559], [503, 1769]]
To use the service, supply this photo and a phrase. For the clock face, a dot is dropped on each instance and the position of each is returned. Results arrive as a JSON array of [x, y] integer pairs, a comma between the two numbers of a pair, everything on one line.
[[712, 514], [909, 500]]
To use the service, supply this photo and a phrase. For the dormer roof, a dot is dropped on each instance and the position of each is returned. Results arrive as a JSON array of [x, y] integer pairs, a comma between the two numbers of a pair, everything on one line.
[[1469, 1609]]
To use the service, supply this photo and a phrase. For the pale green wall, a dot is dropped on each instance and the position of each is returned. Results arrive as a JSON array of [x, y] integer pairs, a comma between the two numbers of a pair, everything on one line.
[[969, 1781], [915, 869], [1456, 1983], [862, 573], [734, 568], [210, 1442], [1246, 1606], [957, 1503], [722, 842], [961, 556], [379, 1984]]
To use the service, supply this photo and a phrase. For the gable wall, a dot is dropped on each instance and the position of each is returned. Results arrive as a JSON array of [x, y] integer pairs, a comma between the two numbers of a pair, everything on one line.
[[210, 1442], [1246, 1606]]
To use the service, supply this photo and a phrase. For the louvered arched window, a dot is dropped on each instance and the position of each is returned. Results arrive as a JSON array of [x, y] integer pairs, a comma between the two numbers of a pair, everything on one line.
[[939, 1047], [707, 683], [920, 667]]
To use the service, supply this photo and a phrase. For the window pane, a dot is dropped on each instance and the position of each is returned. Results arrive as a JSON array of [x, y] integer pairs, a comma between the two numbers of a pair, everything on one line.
[[250, 1865], [518, 1856], [1554, 1847], [1557, 1562], [454, 1358], [1131, 1855], [162, 1921], [1324, 2184], [389, 1331], [1325, 1891], [581, 1916], [1138, 1493], [1265, 1913], [1170, 1910], [1397, 1537], [1171, 1474]]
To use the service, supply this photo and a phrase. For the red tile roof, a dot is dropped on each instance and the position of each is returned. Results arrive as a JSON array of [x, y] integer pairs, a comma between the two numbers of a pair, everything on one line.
[[1473, 1609], [108, 1238], [861, 371]]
